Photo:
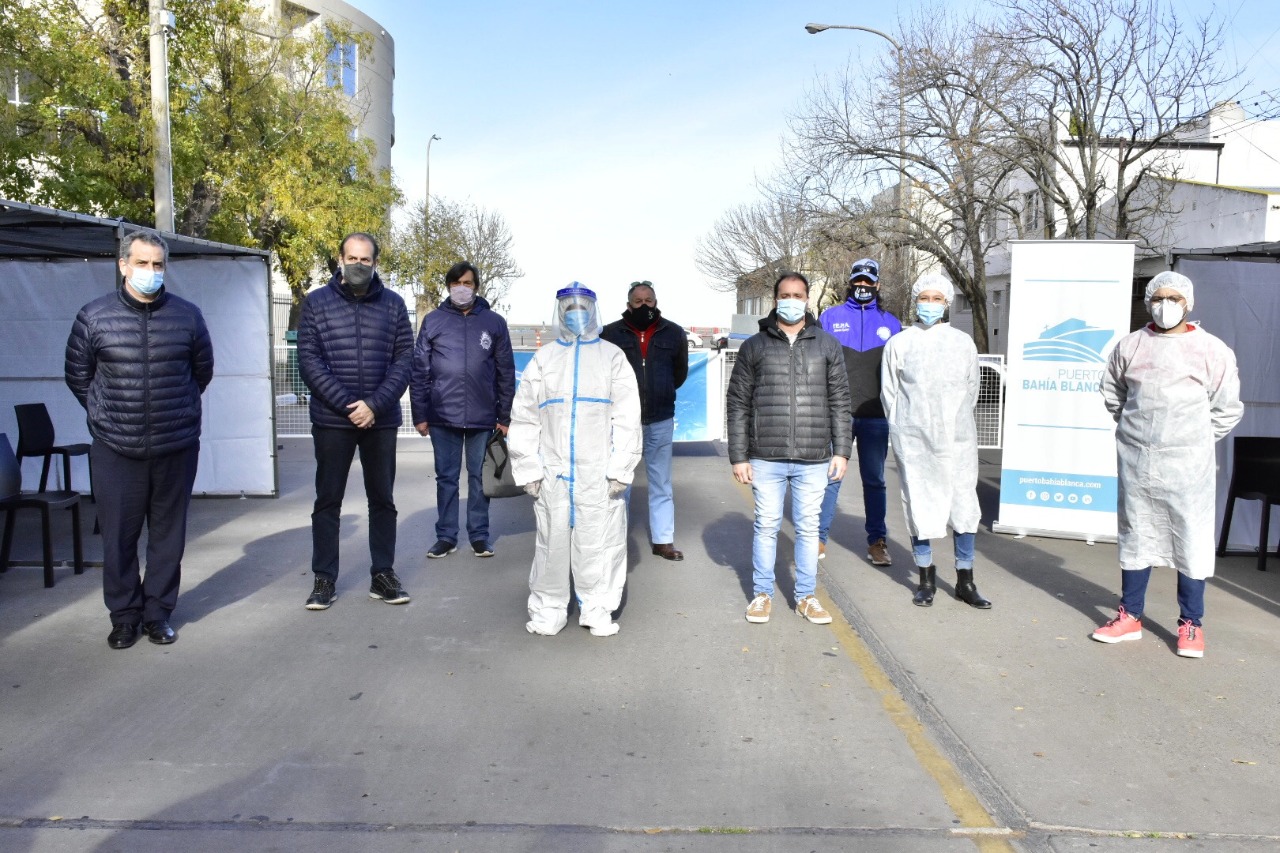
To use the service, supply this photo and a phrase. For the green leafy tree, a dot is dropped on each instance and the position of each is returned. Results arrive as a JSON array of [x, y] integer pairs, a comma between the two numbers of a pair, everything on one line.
[[263, 149], [423, 249]]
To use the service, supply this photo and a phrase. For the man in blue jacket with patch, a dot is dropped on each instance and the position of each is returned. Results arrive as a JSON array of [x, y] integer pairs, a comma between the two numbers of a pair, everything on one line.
[[862, 327], [355, 352], [464, 379]]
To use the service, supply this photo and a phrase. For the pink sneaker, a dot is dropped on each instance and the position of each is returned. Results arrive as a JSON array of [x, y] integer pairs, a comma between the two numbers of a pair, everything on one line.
[[1190, 640], [1123, 627]]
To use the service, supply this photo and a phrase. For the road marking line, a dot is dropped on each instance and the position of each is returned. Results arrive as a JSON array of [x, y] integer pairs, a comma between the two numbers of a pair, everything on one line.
[[961, 800]]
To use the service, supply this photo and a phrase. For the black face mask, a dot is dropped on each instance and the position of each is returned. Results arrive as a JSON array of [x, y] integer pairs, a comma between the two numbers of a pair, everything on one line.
[[862, 294], [357, 277], [642, 317]]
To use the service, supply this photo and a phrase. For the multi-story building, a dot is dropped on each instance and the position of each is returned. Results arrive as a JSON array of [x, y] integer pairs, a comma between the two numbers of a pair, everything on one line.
[[365, 74]]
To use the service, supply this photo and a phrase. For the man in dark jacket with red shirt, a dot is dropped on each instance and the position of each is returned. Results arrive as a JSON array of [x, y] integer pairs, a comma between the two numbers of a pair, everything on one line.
[[355, 352], [658, 351], [464, 378], [138, 360]]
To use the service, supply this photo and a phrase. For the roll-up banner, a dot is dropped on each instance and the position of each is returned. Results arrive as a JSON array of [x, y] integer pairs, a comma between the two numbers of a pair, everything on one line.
[[1069, 303]]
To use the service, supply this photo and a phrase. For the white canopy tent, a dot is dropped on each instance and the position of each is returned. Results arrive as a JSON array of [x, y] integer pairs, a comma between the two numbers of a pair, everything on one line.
[[53, 262], [1238, 299]]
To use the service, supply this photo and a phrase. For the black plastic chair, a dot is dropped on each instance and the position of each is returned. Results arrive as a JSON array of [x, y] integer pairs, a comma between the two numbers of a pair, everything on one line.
[[12, 499], [1255, 476], [36, 439]]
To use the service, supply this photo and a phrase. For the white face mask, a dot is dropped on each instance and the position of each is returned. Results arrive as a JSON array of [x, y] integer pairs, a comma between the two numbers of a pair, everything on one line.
[[1167, 313]]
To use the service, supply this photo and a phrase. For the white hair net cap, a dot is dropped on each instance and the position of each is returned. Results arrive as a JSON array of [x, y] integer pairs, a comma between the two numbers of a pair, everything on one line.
[[1174, 281], [933, 281]]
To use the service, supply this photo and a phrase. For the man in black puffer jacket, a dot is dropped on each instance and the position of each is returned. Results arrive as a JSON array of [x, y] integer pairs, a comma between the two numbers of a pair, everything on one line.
[[355, 352], [138, 360], [789, 424]]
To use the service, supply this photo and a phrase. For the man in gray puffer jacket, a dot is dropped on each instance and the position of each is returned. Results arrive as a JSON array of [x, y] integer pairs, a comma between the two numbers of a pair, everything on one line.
[[789, 425]]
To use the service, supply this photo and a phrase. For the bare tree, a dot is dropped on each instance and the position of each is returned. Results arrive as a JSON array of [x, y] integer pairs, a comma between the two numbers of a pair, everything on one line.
[[423, 249], [1109, 88], [947, 148], [752, 244]]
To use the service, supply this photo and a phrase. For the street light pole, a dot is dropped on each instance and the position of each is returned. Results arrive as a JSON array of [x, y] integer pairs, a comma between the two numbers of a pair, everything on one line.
[[162, 23], [899, 195], [426, 217]]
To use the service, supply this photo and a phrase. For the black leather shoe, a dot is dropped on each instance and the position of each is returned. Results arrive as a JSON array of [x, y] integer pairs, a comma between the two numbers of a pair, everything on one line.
[[668, 552], [159, 633], [122, 636]]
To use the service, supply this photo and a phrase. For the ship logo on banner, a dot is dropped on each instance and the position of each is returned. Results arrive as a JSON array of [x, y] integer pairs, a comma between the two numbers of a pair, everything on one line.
[[1072, 340]]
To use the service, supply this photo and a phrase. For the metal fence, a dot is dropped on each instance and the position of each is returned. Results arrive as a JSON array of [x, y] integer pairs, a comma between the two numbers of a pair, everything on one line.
[[988, 415]]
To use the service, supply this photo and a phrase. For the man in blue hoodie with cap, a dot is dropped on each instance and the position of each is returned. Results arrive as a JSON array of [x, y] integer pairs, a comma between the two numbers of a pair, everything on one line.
[[862, 327]]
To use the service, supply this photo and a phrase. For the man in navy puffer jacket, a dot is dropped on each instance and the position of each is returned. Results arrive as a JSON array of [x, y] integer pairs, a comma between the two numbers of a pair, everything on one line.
[[464, 379], [138, 360], [355, 352]]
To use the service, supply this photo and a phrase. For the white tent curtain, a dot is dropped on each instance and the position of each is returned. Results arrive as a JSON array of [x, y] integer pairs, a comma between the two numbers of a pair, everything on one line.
[[39, 299]]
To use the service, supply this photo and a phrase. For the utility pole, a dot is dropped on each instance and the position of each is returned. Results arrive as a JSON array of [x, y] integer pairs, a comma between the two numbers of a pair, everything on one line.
[[162, 23], [426, 218]]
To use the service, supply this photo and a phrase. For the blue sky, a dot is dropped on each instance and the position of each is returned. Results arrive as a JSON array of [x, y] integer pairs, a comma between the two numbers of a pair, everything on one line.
[[611, 137]]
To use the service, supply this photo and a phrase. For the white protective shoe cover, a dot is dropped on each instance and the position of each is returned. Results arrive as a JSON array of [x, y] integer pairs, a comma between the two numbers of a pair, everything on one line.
[[543, 629], [605, 630]]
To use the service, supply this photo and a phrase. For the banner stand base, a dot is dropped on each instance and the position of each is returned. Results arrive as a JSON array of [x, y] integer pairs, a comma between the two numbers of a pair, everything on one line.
[[1022, 532]]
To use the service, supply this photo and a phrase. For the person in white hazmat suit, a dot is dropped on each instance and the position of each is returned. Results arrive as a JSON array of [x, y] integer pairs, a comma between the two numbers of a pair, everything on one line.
[[929, 387], [1173, 390], [575, 441]]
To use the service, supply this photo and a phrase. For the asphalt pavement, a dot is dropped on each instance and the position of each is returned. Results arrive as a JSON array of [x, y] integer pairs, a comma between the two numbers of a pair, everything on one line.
[[442, 725]]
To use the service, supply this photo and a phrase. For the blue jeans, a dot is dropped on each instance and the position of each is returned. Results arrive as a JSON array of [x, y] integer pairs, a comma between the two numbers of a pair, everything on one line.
[[923, 552], [657, 466], [871, 440], [1133, 596], [769, 483], [449, 445]]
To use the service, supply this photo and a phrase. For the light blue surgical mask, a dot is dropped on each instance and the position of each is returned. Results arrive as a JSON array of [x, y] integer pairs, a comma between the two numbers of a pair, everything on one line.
[[791, 310], [576, 321], [930, 312], [146, 282]]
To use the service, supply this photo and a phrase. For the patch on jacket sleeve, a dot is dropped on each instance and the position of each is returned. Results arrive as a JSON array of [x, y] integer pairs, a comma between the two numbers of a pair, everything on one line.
[[485, 340], [883, 333]]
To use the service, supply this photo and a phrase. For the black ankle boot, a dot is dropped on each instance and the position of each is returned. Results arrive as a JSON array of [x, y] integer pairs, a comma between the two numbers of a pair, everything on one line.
[[924, 592], [967, 592]]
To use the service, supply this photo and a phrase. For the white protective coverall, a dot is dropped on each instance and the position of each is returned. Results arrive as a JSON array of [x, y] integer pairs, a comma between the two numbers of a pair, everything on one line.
[[1173, 396], [929, 387], [575, 425]]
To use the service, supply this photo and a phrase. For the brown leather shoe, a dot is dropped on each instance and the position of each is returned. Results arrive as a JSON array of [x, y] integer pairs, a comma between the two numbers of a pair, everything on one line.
[[668, 551], [878, 553]]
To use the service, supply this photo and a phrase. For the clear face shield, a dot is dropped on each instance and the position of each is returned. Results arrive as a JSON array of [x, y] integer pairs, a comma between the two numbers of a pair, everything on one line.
[[576, 312]]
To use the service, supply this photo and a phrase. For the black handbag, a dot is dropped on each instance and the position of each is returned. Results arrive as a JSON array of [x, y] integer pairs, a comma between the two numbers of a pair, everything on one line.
[[496, 474]]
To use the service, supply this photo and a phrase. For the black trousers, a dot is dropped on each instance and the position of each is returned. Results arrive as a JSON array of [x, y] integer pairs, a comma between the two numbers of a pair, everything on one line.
[[129, 493], [335, 449]]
